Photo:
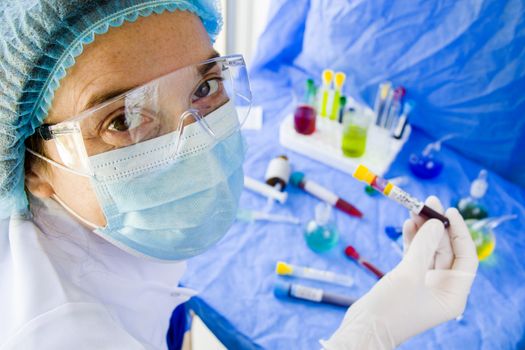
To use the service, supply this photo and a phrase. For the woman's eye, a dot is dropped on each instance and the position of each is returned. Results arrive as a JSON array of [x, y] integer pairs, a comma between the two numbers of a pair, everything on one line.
[[119, 124], [209, 87]]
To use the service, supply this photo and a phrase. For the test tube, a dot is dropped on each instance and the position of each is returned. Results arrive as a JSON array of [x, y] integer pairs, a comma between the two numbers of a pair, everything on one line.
[[317, 295], [285, 269], [380, 103], [393, 192]]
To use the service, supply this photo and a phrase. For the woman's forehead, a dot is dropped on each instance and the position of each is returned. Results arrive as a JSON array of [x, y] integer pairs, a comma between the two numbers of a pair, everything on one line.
[[130, 56]]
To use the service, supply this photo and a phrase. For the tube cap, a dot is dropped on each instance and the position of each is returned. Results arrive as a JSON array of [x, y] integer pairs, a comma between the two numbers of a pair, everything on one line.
[[281, 289], [283, 268], [296, 178], [363, 174]]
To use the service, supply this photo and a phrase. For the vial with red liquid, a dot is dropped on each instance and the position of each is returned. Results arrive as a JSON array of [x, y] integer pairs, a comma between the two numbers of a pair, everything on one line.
[[305, 113], [304, 119]]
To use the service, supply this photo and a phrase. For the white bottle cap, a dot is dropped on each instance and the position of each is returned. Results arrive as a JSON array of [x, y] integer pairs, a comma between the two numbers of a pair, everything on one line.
[[278, 168], [479, 187]]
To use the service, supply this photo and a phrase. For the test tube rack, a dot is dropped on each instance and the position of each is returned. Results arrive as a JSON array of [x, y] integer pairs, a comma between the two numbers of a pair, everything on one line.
[[324, 145]]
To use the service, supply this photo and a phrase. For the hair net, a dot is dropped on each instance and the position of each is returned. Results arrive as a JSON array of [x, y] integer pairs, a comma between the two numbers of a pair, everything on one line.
[[39, 40]]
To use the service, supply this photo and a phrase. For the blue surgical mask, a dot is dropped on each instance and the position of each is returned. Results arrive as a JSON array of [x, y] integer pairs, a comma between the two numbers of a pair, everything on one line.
[[172, 207]]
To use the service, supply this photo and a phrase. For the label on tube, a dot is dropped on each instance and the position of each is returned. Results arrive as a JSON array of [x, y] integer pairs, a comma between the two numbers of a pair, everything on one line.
[[406, 200], [318, 274], [307, 293]]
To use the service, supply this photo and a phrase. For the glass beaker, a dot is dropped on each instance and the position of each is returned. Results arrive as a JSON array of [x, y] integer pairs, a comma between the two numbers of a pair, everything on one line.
[[355, 129]]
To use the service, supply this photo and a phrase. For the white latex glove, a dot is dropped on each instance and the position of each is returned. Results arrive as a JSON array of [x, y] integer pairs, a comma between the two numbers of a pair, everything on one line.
[[429, 286]]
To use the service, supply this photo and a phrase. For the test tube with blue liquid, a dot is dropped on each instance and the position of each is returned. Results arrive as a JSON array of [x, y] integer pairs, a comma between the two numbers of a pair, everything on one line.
[[320, 234]]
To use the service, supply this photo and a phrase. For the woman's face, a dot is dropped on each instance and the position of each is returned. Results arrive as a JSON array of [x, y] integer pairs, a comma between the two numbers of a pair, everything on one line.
[[115, 62]]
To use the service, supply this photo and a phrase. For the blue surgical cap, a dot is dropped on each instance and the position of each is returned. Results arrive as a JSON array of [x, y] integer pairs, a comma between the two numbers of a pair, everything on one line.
[[39, 40]]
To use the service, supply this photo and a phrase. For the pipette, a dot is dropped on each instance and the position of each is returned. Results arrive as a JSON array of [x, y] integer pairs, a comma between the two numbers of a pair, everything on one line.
[[328, 75], [392, 191], [297, 179], [285, 269], [254, 215], [317, 295]]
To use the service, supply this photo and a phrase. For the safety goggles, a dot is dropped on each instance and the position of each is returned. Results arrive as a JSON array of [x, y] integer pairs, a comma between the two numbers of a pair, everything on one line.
[[175, 106]]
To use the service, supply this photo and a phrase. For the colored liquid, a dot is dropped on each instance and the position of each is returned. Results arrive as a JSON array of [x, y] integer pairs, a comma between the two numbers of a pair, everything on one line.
[[425, 167], [471, 210], [485, 243], [320, 238], [304, 119], [354, 141]]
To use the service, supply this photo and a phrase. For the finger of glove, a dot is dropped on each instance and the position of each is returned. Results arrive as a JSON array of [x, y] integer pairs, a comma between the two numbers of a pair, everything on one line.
[[444, 255], [424, 246], [464, 249], [432, 202], [409, 231]]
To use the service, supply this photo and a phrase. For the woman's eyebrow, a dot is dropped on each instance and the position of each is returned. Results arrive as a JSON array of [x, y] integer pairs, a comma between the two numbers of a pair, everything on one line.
[[205, 68], [102, 97], [97, 99]]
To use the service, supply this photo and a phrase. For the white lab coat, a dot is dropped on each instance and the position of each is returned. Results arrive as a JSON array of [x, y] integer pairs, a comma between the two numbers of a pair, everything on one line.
[[63, 287]]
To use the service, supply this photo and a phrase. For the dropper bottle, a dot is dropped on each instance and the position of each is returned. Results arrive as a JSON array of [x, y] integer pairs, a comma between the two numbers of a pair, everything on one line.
[[320, 234], [470, 207]]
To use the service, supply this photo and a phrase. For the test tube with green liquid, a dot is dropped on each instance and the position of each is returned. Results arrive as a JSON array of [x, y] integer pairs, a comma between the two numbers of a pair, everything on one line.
[[355, 129]]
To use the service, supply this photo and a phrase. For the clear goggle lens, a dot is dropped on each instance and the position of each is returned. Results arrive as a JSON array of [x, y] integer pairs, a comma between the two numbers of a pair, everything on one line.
[[174, 106]]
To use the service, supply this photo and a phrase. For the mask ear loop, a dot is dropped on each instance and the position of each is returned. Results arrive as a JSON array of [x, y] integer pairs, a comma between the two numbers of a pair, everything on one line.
[[193, 113], [72, 212], [56, 197]]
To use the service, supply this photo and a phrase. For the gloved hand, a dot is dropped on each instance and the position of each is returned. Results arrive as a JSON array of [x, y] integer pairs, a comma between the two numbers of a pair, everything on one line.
[[429, 286]]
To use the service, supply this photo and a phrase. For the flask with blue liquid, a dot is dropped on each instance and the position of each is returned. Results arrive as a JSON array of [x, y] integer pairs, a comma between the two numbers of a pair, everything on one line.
[[320, 234]]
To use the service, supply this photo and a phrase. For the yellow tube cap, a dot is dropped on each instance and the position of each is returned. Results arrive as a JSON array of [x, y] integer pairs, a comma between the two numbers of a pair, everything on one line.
[[363, 174], [328, 75], [339, 79], [283, 268]]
